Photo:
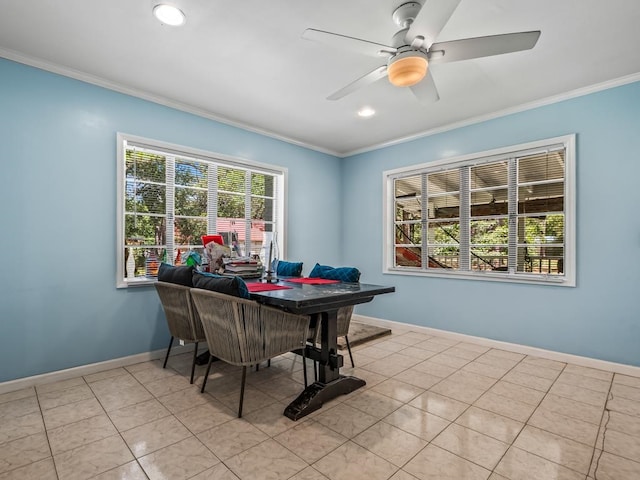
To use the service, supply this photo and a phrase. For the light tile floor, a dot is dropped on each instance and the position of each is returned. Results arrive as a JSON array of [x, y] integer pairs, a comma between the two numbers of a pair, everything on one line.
[[433, 408]]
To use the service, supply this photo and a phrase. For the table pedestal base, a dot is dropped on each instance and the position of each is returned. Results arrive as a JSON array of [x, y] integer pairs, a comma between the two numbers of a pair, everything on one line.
[[203, 358], [316, 394]]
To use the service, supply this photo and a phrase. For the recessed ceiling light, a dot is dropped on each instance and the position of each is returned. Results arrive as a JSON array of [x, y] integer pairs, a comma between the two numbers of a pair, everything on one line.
[[366, 112], [169, 15]]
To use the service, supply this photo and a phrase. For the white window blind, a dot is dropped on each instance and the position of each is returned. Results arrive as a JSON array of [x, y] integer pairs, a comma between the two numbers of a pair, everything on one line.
[[502, 215], [169, 196]]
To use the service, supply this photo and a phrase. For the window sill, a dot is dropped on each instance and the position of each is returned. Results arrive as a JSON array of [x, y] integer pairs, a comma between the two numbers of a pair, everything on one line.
[[138, 282], [554, 281]]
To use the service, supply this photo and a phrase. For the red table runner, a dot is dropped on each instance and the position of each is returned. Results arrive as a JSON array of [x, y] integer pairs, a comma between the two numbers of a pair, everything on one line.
[[265, 287], [311, 281]]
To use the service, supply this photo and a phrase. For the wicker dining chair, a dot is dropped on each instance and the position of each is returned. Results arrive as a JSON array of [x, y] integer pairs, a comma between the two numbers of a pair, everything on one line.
[[344, 321], [342, 329], [182, 318], [243, 332]]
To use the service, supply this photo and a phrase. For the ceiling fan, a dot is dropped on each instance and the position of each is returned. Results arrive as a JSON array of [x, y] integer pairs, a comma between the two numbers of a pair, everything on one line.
[[413, 48]]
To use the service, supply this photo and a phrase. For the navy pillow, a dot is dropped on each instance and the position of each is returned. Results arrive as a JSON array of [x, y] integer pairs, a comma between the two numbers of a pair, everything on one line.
[[217, 283], [319, 270], [289, 269], [180, 275], [344, 274], [242, 288]]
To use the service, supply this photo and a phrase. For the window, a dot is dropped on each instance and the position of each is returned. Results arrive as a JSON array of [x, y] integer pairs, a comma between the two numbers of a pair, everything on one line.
[[169, 196], [505, 215]]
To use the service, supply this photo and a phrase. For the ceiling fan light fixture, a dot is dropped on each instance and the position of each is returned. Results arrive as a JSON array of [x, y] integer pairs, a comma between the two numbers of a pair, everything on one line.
[[169, 14], [407, 69]]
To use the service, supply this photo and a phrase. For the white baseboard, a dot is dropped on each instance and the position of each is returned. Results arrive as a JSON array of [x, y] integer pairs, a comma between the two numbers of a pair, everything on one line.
[[68, 373], [512, 347]]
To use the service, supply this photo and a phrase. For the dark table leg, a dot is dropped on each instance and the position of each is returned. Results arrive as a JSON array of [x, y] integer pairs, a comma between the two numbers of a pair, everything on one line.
[[330, 383]]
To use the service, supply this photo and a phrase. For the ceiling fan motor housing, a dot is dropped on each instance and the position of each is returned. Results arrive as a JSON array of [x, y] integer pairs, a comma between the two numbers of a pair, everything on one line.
[[405, 14]]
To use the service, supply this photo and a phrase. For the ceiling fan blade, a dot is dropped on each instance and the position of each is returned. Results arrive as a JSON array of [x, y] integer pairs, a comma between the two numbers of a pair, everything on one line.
[[432, 18], [426, 90], [469, 48], [418, 42], [363, 81], [344, 42]]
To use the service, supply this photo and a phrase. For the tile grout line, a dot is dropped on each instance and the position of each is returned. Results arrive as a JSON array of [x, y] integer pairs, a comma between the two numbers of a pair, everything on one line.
[[110, 421], [557, 381], [430, 442], [526, 422], [46, 434], [602, 428], [144, 472], [172, 414], [521, 361], [269, 437]]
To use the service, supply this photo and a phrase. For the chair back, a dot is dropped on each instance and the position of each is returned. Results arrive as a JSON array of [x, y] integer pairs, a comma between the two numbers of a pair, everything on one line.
[[244, 332], [344, 320], [342, 329], [182, 318]]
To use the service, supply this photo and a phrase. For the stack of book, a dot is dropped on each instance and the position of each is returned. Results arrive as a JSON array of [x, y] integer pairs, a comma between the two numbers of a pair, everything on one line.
[[242, 267]]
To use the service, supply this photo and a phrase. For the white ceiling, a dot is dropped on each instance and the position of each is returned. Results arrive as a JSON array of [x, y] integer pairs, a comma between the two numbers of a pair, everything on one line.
[[245, 63]]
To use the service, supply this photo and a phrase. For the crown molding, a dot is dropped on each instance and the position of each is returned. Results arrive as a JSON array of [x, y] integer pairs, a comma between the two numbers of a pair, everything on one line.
[[104, 83], [160, 100], [617, 82]]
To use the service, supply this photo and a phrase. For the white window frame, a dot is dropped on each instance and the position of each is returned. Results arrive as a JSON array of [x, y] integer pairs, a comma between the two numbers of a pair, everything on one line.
[[217, 159], [568, 279]]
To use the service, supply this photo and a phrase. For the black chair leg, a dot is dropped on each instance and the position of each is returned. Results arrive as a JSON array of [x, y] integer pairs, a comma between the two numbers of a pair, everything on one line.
[[168, 350], [206, 375], [349, 348], [304, 368], [193, 364], [244, 377], [258, 365]]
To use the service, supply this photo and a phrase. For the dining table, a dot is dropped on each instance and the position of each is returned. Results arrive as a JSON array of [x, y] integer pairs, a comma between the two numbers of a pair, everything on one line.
[[321, 301]]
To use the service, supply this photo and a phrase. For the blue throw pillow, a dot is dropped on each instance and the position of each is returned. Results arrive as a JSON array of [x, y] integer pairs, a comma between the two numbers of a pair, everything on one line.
[[180, 275], [344, 274], [319, 270], [243, 291], [217, 283], [289, 269]]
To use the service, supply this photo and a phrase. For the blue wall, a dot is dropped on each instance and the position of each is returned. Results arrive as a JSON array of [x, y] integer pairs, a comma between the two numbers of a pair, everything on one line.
[[600, 318], [59, 307]]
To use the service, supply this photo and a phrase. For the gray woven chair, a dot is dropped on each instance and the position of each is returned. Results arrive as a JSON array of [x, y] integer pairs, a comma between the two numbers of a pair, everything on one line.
[[342, 329], [244, 332], [182, 318], [344, 321]]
